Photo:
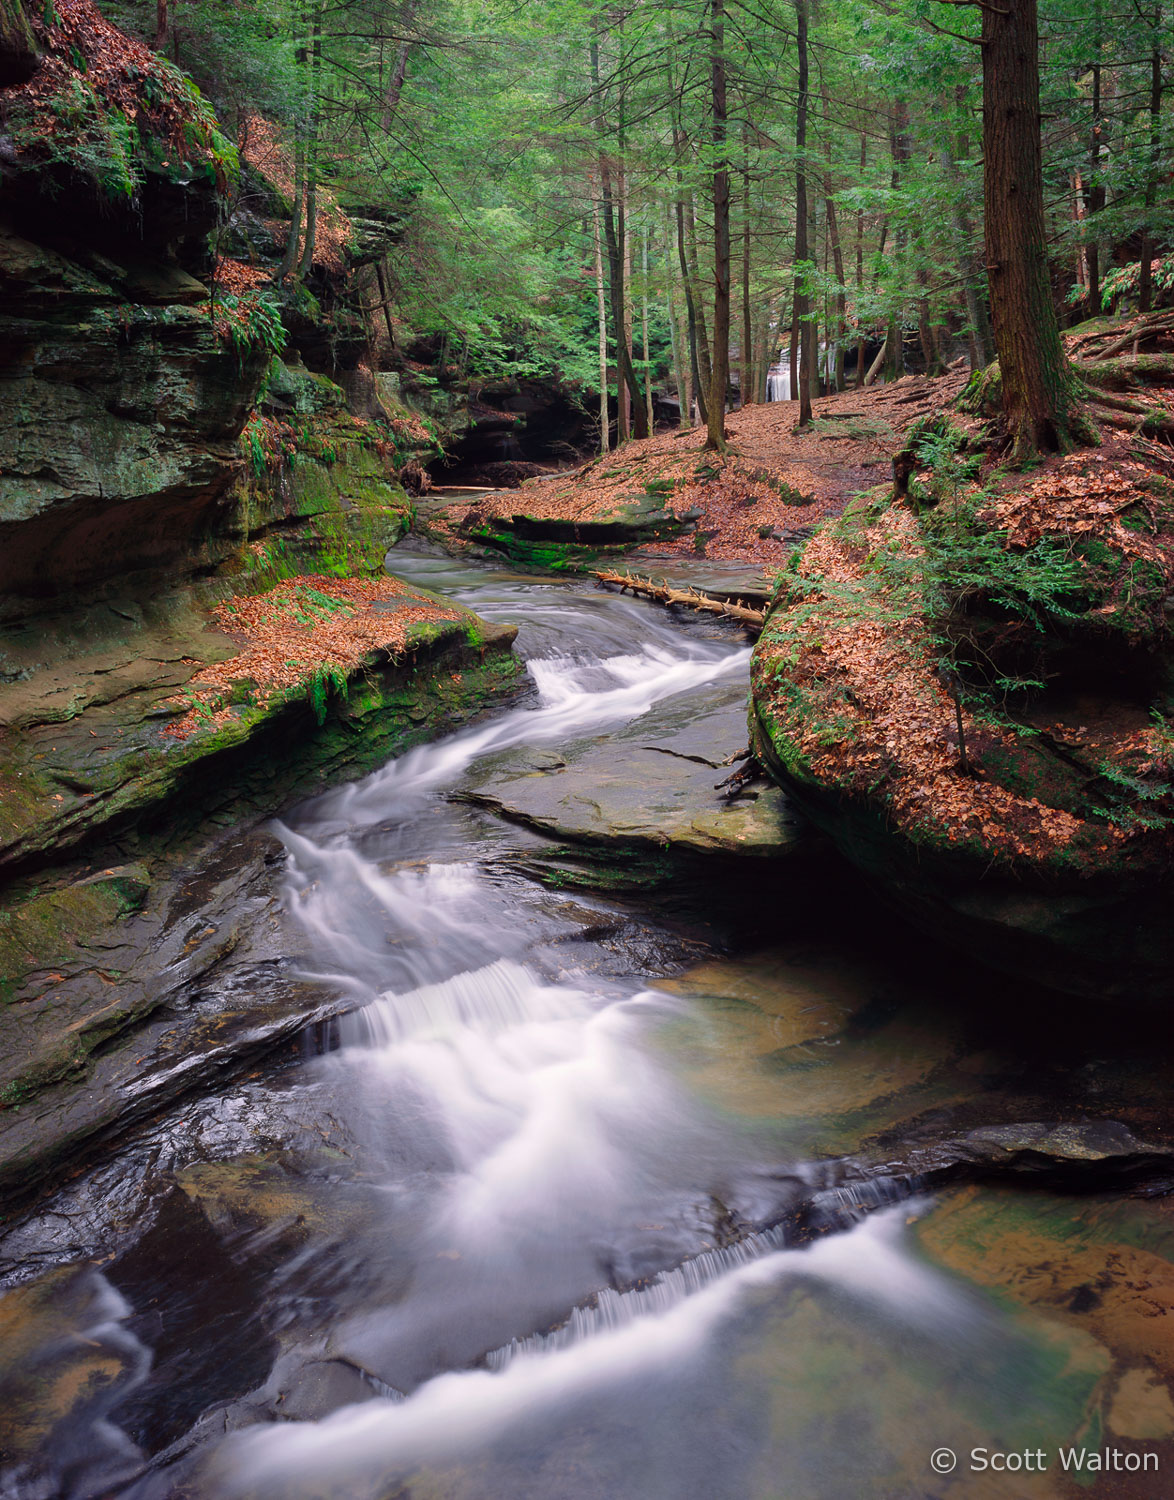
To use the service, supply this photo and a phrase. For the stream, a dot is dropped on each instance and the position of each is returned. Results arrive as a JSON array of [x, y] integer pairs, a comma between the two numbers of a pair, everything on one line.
[[566, 1203]]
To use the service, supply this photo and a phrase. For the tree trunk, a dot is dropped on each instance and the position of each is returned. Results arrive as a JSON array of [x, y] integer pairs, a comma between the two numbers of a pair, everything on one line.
[[874, 369], [162, 24], [1036, 381], [763, 352], [704, 362], [837, 334], [801, 318], [399, 74], [746, 379], [983, 347], [385, 302], [720, 373], [691, 315], [861, 342], [289, 258], [1146, 284], [644, 330], [616, 252], [925, 329], [601, 304], [628, 396], [1095, 200], [679, 339], [900, 151], [305, 265]]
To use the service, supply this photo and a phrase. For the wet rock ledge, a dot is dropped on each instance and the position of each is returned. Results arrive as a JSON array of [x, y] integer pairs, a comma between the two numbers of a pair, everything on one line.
[[195, 621]]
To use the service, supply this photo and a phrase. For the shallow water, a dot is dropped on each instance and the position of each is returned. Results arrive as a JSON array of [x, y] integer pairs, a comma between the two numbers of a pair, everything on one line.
[[526, 1221]]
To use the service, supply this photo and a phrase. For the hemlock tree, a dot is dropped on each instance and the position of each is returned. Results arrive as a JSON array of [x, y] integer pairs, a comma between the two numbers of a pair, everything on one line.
[[1037, 384]]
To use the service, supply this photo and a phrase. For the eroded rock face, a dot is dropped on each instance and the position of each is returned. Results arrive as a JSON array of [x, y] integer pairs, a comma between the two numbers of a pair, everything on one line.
[[157, 462], [120, 410]]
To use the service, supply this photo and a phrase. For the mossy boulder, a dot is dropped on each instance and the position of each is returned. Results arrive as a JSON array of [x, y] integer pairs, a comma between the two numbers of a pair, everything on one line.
[[1032, 824], [73, 783]]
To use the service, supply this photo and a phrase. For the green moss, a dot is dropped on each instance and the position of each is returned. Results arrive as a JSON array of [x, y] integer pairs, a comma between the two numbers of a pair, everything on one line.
[[549, 557]]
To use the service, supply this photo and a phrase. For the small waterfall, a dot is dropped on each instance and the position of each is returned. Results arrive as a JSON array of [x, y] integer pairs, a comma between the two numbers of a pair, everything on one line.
[[610, 1309], [778, 381], [642, 1336]]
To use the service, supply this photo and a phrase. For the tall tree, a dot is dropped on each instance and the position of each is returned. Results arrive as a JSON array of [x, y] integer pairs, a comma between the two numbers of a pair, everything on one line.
[[802, 314], [1037, 388], [720, 373]]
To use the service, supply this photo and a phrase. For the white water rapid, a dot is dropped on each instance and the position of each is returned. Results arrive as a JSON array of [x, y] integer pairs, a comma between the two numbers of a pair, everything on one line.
[[543, 1169]]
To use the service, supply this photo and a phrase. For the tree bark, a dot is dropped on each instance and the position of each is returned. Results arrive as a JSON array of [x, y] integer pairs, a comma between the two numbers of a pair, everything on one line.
[[305, 265], [704, 363], [746, 378], [289, 258], [385, 302], [691, 316], [838, 334], [601, 305], [1036, 381], [1146, 283], [972, 283], [644, 329], [861, 342], [802, 253], [720, 372], [900, 151], [399, 74], [678, 337], [1095, 200], [616, 251]]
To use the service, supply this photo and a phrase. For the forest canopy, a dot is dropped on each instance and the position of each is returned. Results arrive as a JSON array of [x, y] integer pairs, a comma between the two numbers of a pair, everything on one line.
[[702, 184]]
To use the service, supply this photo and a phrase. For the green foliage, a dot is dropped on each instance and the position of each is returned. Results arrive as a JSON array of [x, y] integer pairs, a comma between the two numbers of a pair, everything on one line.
[[964, 562], [249, 322], [1123, 281], [324, 681]]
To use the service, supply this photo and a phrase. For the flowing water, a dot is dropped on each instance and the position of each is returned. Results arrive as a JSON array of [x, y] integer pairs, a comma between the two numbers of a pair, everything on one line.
[[549, 1246]]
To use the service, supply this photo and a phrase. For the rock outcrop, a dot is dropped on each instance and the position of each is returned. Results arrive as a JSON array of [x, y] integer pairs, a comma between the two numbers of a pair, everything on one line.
[[970, 695], [195, 620]]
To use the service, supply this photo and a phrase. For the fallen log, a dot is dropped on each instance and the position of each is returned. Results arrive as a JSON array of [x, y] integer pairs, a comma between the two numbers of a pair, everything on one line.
[[690, 598]]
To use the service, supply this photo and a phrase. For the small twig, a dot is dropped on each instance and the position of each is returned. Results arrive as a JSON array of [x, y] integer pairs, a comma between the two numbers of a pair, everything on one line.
[[963, 759], [737, 781]]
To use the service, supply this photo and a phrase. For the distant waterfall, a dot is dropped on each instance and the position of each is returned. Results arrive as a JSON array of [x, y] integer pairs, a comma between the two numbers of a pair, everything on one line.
[[778, 381]]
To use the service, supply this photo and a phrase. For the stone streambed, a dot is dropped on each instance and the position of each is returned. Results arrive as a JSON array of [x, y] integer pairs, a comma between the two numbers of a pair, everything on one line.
[[872, 1205]]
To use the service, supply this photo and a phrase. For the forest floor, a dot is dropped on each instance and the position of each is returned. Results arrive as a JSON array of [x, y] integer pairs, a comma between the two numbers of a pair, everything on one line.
[[751, 503]]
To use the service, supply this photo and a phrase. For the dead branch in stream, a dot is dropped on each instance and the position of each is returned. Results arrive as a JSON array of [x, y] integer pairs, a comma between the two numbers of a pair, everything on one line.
[[691, 598]]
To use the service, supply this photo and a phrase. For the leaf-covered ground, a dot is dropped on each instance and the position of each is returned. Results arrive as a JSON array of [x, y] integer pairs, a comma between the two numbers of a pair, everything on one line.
[[895, 678], [303, 628], [773, 482]]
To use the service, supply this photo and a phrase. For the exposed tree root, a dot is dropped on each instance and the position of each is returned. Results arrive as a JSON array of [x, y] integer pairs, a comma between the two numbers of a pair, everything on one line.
[[1105, 343], [691, 598], [1127, 374]]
